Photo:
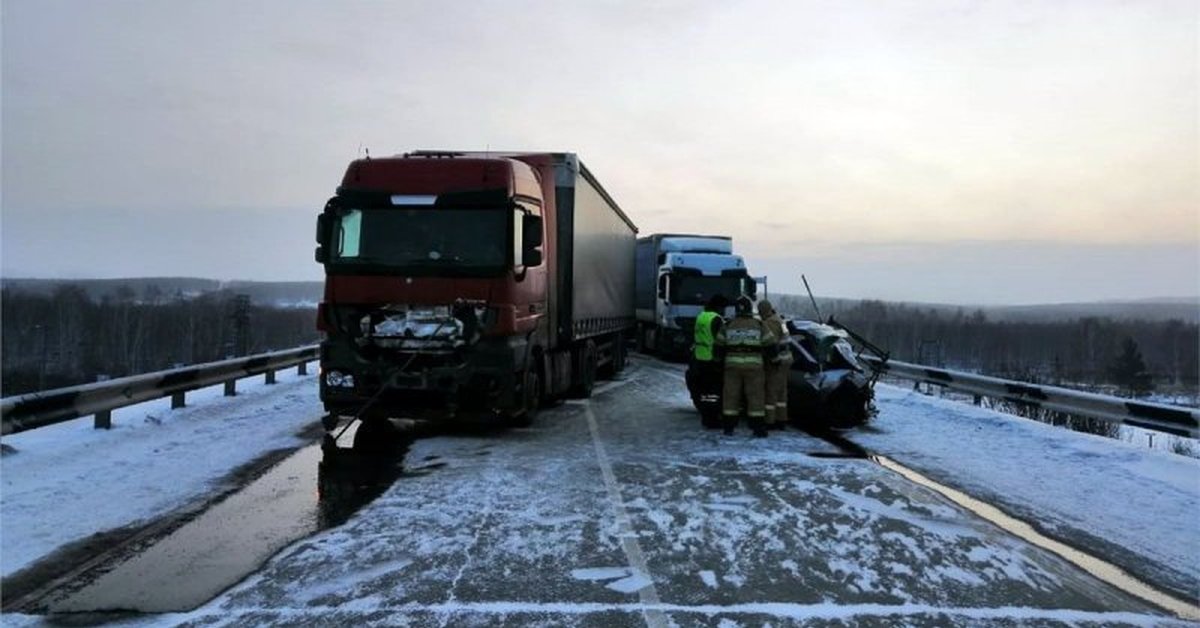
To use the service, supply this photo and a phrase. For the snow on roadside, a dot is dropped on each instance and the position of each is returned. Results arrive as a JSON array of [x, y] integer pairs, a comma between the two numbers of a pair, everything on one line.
[[68, 481], [1072, 484]]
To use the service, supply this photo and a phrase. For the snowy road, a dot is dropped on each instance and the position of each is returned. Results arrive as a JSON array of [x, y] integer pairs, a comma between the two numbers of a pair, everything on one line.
[[621, 511]]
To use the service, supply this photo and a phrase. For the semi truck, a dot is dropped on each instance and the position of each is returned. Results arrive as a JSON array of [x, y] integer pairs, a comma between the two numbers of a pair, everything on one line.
[[677, 274], [469, 284]]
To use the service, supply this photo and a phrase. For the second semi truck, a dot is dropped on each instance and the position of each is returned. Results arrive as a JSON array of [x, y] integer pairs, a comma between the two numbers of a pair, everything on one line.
[[483, 283], [676, 275]]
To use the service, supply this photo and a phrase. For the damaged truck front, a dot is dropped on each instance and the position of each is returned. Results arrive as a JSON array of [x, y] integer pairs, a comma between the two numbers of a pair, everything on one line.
[[454, 284]]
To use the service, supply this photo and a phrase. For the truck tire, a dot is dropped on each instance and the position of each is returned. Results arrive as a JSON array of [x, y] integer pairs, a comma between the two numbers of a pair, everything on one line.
[[377, 436], [587, 371], [620, 353], [616, 362], [531, 400]]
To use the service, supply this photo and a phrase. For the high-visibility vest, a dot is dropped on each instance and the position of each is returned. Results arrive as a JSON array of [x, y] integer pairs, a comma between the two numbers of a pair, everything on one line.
[[703, 336]]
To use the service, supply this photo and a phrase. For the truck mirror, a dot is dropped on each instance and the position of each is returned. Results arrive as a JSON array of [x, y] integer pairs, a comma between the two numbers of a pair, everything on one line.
[[324, 222], [324, 225], [531, 257], [662, 286], [531, 231]]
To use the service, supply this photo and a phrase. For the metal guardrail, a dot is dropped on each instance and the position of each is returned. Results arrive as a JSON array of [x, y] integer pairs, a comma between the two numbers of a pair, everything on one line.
[[26, 412], [1158, 417]]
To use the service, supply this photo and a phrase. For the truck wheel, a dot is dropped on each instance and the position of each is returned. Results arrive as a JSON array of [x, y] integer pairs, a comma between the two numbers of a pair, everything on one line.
[[377, 437], [587, 371], [531, 400], [620, 353], [639, 339], [616, 361]]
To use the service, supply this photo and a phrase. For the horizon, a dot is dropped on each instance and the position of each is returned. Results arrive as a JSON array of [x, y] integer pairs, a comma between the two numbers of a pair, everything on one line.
[[1149, 300]]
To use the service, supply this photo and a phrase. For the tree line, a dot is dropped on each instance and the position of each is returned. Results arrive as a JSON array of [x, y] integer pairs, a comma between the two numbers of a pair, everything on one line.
[[68, 337], [1133, 355]]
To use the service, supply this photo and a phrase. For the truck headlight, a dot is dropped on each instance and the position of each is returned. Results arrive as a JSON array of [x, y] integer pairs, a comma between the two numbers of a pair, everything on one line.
[[338, 379]]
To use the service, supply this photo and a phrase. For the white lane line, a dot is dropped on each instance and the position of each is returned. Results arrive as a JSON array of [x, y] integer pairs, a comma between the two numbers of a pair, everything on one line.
[[629, 543], [607, 386]]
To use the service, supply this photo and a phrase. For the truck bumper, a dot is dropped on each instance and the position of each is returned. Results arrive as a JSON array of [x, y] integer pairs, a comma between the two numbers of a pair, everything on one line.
[[481, 380]]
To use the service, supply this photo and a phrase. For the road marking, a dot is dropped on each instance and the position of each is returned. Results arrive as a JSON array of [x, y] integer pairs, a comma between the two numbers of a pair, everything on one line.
[[633, 551], [1104, 571], [600, 390]]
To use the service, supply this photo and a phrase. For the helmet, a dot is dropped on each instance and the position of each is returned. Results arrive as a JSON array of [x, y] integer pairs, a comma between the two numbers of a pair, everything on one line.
[[765, 308], [745, 306]]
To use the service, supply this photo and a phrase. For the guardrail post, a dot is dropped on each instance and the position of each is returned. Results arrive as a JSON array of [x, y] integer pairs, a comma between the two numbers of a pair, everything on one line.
[[103, 420], [231, 388], [270, 377], [302, 368], [177, 400], [978, 400]]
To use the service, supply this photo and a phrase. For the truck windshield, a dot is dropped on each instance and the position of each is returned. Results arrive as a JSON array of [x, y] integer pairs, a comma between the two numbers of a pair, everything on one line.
[[422, 238], [693, 290]]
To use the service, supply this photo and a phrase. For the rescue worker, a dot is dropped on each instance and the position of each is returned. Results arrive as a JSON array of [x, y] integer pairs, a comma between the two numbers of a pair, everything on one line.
[[742, 341], [706, 367], [776, 367]]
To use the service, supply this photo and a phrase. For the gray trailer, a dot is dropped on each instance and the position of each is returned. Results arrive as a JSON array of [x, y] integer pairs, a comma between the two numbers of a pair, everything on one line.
[[592, 303]]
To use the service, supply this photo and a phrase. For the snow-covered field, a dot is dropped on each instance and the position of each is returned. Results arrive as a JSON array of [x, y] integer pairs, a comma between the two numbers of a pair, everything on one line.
[[1133, 505], [621, 511], [68, 481]]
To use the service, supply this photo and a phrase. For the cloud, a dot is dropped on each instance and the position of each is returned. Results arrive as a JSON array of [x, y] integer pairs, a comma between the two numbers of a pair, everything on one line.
[[778, 124]]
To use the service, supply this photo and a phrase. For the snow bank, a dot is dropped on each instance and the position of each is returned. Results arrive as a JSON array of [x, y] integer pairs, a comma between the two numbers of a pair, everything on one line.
[[1131, 505], [68, 481]]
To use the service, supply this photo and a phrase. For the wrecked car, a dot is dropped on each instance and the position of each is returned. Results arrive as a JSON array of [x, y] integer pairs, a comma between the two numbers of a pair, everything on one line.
[[829, 386]]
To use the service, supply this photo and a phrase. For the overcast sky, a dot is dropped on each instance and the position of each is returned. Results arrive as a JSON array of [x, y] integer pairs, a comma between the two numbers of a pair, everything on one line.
[[998, 152]]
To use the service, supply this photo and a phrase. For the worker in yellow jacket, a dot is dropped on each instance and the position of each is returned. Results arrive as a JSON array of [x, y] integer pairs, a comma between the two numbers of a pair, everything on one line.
[[776, 367]]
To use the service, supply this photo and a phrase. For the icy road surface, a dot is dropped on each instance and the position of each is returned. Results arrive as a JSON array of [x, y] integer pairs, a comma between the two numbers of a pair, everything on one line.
[[621, 511]]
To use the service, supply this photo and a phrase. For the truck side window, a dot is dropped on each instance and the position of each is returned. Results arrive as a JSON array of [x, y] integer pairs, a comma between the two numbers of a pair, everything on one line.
[[350, 234]]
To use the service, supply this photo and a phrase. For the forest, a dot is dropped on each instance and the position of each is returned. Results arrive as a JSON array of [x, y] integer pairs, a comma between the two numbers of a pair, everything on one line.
[[69, 333], [1094, 352], [68, 336]]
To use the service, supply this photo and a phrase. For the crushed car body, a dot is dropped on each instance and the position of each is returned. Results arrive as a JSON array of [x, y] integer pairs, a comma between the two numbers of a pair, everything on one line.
[[829, 386]]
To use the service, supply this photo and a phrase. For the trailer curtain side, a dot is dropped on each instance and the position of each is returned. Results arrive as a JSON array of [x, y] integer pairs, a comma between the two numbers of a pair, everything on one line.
[[596, 256]]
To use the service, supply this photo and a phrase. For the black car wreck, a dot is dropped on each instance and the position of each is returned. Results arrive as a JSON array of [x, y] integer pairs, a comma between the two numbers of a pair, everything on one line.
[[829, 385]]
